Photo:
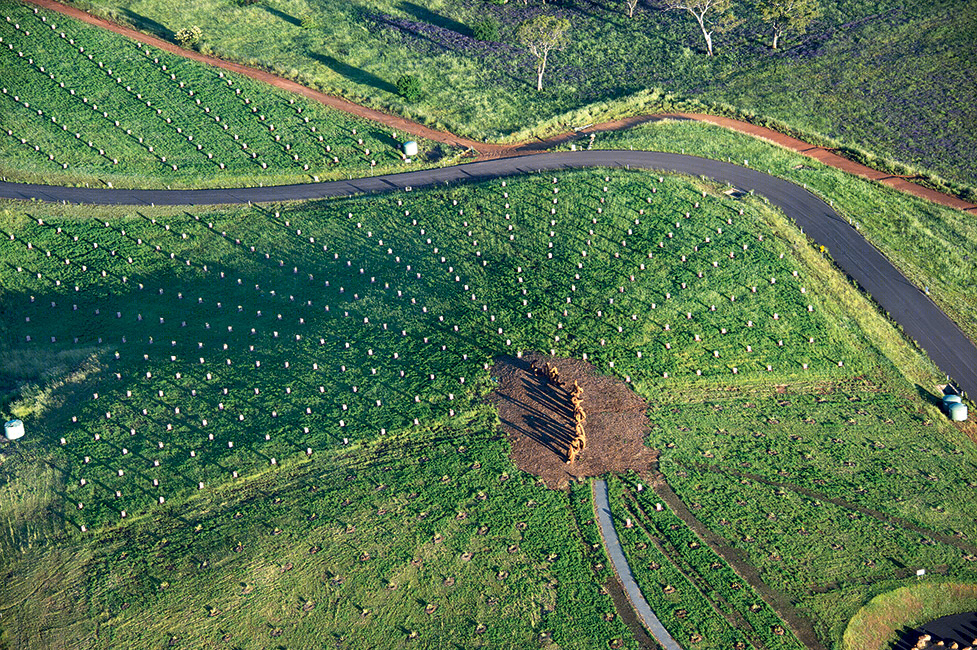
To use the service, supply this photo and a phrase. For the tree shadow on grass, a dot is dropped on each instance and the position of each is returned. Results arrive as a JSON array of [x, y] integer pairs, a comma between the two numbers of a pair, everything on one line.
[[144, 24], [284, 16], [356, 75], [426, 15], [928, 397]]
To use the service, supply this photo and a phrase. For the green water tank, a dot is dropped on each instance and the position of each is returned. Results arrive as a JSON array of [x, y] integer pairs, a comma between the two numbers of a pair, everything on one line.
[[951, 399], [957, 411]]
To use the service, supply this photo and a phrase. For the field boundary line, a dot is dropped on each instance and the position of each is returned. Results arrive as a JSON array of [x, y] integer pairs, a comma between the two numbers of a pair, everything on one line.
[[491, 150], [695, 578], [949, 540], [612, 545], [799, 624]]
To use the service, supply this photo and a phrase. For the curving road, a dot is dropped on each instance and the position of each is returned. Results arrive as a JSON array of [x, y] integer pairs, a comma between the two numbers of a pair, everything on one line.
[[919, 317]]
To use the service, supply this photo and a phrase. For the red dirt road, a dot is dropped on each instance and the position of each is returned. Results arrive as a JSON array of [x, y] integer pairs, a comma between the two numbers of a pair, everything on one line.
[[487, 150]]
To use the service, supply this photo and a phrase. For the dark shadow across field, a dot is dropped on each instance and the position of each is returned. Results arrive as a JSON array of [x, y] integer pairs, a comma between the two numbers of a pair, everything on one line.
[[959, 628], [144, 24], [292, 20], [354, 74], [426, 15]]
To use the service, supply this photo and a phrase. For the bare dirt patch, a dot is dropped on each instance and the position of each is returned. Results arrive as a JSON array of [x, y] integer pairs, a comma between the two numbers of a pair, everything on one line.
[[537, 415]]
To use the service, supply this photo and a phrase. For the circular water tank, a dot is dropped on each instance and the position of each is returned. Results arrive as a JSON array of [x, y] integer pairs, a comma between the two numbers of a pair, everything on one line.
[[958, 411], [950, 399], [13, 429], [410, 148]]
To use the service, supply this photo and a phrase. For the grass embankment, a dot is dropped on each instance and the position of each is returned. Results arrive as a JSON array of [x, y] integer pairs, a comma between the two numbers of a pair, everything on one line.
[[883, 76], [187, 391], [85, 106], [171, 349], [878, 623], [932, 245]]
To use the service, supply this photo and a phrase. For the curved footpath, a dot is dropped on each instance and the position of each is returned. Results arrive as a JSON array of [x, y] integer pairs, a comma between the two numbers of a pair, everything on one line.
[[490, 150], [919, 316], [623, 570]]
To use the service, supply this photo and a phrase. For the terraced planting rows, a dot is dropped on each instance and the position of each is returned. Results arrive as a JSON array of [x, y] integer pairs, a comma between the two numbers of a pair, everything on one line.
[[688, 584], [835, 492], [237, 340], [190, 372], [88, 105]]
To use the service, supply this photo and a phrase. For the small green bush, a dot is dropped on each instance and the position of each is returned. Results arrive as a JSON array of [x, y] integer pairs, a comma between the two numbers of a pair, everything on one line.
[[189, 36], [409, 87], [486, 30], [310, 21]]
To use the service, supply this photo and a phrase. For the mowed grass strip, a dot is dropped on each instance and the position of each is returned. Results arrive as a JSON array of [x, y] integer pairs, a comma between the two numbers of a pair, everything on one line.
[[84, 105]]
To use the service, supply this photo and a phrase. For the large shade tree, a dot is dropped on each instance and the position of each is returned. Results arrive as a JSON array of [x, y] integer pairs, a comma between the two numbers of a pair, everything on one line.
[[788, 16], [711, 16], [541, 35]]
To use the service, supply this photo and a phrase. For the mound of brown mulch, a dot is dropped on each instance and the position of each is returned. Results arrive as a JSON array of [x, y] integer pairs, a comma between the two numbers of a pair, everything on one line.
[[538, 417]]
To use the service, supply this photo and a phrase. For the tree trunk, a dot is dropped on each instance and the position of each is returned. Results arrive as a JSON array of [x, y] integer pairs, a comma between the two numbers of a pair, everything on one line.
[[705, 33], [776, 37], [540, 69]]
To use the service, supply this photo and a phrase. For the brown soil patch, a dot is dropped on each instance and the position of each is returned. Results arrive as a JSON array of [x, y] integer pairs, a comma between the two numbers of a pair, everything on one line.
[[538, 417]]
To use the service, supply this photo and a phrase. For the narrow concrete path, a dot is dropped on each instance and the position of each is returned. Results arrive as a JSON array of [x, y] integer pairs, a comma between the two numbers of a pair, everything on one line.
[[919, 316], [623, 570]]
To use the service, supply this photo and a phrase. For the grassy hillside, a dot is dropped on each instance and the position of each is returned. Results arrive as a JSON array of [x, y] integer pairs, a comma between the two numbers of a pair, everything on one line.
[[286, 406], [83, 105], [887, 76], [932, 245]]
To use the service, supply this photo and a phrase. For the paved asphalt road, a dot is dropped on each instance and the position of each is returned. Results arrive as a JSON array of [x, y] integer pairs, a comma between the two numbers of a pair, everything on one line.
[[623, 570], [921, 319]]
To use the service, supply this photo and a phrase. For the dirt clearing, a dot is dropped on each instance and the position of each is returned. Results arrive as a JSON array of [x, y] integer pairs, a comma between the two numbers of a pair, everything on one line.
[[538, 416]]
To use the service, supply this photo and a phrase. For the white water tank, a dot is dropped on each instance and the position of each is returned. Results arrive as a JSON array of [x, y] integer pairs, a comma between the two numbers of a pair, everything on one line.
[[13, 429], [410, 148]]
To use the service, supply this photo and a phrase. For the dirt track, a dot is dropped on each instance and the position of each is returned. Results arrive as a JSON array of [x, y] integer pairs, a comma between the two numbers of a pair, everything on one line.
[[488, 150]]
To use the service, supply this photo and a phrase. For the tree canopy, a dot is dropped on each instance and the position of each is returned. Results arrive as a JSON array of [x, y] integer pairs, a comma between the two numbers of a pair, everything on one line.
[[541, 35], [711, 16], [788, 16]]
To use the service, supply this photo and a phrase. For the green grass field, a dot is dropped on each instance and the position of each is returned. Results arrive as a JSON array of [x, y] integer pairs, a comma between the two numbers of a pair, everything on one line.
[[883, 76], [932, 245], [83, 105], [180, 366]]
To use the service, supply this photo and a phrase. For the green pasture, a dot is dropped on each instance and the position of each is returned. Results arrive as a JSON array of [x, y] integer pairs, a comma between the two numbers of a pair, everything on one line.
[[286, 403], [85, 106], [835, 492], [425, 541], [219, 342], [883, 76]]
